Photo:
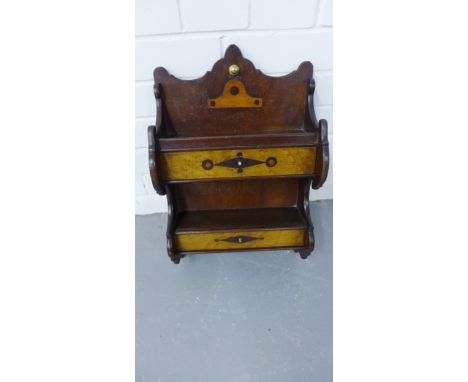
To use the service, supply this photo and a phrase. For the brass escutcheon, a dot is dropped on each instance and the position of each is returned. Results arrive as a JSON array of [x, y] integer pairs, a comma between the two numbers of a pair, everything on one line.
[[234, 70]]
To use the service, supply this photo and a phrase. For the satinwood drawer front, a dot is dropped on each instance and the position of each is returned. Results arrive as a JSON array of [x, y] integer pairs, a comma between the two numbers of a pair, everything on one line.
[[239, 240], [210, 164]]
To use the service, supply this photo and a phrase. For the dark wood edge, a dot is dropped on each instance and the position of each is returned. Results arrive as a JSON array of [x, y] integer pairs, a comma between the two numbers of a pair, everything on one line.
[[238, 141], [305, 210], [153, 144], [236, 178], [234, 230], [310, 119], [171, 222], [157, 89], [156, 179], [323, 158], [321, 128], [240, 250]]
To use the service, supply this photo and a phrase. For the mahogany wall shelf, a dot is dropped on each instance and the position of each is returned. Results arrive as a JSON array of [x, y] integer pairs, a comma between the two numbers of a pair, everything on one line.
[[236, 152]]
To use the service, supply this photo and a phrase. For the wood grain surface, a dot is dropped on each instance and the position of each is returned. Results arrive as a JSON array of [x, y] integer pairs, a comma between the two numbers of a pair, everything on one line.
[[236, 153], [264, 239], [188, 165]]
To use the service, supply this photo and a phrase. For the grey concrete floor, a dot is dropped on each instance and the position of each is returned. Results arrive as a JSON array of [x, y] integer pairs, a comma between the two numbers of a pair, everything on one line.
[[251, 316]]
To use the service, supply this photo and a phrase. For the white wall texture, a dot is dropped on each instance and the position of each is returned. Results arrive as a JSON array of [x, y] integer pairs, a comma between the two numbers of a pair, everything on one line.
[[188, 36]]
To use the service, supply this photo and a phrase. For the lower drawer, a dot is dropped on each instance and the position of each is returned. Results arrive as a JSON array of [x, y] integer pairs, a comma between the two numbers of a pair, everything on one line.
[[188, 242]]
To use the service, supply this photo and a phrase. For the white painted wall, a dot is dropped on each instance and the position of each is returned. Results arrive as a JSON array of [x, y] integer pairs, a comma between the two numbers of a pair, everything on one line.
[[188, 36]]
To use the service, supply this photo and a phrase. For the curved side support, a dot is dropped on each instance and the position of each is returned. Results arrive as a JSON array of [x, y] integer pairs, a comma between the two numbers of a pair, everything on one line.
[[321, 129], [153, 144], [311, 245], [304, 203], [310, 122], [175, 257], [152, 157], [323, 157]]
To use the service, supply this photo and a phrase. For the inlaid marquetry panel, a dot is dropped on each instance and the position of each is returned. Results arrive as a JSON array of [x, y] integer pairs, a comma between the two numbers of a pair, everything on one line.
[[239, 240], [238, 163]]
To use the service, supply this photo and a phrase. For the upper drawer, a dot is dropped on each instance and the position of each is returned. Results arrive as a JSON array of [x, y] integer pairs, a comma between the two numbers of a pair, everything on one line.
[[212, 164]]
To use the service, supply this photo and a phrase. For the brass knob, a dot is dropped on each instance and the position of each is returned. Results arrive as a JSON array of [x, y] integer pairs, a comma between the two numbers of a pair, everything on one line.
[[234, 70]]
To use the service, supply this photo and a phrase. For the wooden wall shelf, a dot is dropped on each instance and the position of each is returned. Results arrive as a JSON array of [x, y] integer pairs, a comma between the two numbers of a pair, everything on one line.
[[236, 153]]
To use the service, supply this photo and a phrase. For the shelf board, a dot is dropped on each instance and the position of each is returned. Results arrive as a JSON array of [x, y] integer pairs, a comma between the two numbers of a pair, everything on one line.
[[238, 141], [240, 219]]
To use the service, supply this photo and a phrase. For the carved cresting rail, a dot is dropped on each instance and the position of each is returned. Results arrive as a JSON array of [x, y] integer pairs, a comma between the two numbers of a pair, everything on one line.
[[236, 152]]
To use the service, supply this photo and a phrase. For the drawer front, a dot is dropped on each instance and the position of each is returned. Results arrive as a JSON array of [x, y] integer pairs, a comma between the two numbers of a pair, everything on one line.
[[239, 240], [237, 163]]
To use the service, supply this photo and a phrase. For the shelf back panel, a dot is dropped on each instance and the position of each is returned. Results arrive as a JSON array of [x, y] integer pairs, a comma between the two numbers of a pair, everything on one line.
[[238, 194]]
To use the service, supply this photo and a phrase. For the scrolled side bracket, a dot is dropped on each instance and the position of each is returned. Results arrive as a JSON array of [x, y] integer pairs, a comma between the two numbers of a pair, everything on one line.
[[323, 156], [153, 145], [152, 157]]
